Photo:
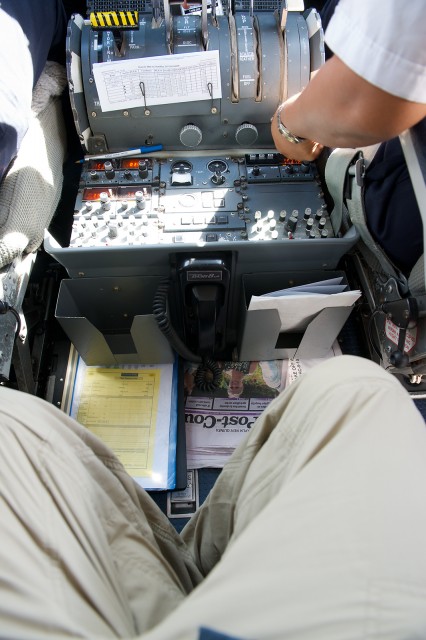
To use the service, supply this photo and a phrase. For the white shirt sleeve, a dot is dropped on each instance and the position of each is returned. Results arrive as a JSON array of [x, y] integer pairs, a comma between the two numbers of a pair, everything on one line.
[[383, 41]]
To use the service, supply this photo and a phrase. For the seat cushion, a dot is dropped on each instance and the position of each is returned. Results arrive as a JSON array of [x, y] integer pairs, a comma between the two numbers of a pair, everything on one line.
[[31, 189]]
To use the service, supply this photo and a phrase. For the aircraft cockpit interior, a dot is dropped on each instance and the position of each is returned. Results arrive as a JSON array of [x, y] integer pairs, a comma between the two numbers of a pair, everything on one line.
[[175, 216]]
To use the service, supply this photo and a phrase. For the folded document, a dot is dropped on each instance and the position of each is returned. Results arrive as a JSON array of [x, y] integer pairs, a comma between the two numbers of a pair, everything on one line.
[[297, 306]]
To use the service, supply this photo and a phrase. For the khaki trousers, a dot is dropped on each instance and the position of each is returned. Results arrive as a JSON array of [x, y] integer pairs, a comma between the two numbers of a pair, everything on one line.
[[316, 528]]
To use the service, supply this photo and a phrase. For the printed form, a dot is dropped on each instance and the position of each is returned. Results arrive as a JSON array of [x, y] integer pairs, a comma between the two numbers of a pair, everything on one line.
[[121, 405], [157, 80]]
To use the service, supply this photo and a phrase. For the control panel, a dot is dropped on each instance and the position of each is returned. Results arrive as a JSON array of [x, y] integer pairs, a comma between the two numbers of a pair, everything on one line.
[[182, 192], [258, 197], [206, 82], [196, 94]]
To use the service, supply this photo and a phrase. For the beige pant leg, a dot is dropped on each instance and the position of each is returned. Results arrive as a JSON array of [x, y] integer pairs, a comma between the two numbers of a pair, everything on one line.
[[322, 511], [84, 552], [319, 521]]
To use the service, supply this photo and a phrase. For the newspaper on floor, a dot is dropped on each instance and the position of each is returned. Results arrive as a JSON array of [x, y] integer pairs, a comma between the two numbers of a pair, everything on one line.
[[296, 366], [217, 421]]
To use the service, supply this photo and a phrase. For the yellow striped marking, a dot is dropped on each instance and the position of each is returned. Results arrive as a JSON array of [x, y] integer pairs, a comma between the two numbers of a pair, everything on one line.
[[108, 19]]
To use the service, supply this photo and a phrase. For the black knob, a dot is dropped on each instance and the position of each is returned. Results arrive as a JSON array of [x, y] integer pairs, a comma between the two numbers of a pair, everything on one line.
[[291, 223], [128, 174], [143, 169], [256, 170], [109, 170], [399, 359]]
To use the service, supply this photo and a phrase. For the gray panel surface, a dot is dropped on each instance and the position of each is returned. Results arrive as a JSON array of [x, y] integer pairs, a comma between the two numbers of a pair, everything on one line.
[[262, 67]]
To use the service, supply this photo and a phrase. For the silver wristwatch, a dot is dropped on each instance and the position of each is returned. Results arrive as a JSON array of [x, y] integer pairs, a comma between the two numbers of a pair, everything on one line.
[[284, 131]]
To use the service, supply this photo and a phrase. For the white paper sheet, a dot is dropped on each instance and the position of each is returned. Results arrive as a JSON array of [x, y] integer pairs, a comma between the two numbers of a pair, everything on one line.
[[332, 285], [169, 79], [297, 311], [297, 366]]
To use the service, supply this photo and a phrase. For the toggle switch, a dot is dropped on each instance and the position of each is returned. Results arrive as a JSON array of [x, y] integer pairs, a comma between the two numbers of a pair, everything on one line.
[[140, 200], [143, 169], [109, 170], [105, 201]]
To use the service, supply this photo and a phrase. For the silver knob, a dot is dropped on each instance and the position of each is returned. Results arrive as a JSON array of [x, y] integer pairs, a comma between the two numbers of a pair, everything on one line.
[[109, 170], [246, 134], [140, 200], [105, 201], [190, 135]]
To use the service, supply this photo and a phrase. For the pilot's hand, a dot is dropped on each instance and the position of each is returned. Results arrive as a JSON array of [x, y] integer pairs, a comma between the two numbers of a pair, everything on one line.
[[302, 151]]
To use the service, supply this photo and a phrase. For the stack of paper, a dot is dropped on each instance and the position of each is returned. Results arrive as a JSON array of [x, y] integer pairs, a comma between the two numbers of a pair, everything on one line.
[[298, 305]]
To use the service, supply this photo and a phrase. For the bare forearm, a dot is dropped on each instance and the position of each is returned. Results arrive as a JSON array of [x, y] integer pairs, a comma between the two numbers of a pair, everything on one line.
[[340, 109]]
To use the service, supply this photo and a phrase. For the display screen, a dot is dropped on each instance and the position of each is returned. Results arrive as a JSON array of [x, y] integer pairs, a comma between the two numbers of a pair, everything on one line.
[[287, 161], [132, 163], [128, 193], [96, 165], [95, 194]]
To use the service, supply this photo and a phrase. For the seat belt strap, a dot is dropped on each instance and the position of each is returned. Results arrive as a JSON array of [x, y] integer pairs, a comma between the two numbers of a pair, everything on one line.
[[344, 174], [356, 209], [336, 171]]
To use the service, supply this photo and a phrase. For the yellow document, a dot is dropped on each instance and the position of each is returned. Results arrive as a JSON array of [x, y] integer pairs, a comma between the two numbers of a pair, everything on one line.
[[129, 409]]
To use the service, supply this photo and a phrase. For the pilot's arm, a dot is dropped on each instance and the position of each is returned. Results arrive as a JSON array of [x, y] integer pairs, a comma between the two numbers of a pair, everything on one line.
[[371, 90]]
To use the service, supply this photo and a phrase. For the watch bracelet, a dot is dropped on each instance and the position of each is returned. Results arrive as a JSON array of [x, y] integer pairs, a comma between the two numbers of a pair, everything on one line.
[[286, 133]]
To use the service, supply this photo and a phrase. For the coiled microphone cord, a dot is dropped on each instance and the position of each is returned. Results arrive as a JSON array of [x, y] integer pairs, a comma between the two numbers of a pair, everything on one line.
[[208, 374]]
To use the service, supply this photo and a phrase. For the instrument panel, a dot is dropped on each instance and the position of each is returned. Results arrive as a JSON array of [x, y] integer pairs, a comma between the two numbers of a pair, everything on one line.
[[214, 199]]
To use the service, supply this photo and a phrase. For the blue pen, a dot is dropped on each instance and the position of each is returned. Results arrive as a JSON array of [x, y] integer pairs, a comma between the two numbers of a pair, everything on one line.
[[123, 154]]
